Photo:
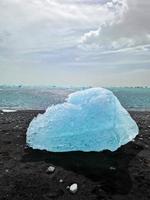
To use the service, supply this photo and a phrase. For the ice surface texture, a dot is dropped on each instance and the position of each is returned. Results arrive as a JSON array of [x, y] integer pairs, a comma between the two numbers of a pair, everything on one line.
[[89, 120]]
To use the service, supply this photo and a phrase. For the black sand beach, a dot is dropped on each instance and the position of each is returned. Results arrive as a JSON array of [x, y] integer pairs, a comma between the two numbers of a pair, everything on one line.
[[121, 175]]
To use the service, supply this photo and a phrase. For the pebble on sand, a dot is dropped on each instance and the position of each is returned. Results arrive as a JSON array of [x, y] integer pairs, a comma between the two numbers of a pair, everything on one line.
[[112, 168], [50, 169], [73, 188]]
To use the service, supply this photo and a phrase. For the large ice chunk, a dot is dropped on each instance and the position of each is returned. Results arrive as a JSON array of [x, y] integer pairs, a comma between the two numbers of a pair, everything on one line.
[[89, 120]]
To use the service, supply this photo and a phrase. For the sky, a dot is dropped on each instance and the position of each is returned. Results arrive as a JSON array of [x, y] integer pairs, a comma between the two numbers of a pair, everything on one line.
[[75, 42]]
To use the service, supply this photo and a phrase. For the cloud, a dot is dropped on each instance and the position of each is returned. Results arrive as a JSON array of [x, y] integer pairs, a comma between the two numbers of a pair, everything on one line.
[[90, 36], [132, 31], [74, 34], [118, 8], [53, 23]]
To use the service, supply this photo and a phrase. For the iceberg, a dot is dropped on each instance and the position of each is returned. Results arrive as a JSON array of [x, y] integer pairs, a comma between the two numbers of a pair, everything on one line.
[[89, 120]]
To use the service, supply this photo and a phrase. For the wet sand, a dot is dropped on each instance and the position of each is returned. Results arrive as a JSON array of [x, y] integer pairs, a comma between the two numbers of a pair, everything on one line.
[[120, 175]]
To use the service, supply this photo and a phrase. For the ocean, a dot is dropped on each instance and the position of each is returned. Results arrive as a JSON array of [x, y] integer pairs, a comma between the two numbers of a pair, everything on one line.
[[39, 98]]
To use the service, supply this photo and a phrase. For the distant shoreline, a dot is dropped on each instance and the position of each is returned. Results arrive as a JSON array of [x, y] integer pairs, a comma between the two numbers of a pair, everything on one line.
[[9, 110]]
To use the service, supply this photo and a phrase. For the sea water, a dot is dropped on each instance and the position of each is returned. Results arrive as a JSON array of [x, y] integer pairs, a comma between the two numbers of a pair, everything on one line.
[[39, 98]]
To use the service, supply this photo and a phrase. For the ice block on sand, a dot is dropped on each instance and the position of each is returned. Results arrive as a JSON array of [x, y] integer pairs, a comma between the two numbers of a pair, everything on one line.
[[89, 120]]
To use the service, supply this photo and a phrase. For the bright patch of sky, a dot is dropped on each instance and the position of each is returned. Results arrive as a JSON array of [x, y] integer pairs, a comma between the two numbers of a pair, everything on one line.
[[75, 42]]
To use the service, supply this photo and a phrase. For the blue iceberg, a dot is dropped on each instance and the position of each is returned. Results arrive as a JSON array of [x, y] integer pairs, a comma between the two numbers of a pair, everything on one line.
[[89, 120]]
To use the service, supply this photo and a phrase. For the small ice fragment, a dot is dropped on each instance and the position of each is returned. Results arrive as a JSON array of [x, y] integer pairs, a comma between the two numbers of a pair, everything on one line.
[[8, 111], [50, 169], [61, 181], [73, 188]]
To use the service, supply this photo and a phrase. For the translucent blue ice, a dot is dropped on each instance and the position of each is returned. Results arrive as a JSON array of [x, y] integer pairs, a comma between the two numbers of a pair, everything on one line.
[[89, 120]]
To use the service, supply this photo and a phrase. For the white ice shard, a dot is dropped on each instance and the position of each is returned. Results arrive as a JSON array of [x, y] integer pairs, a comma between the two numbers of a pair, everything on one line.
[[8, 111], [89, 120]]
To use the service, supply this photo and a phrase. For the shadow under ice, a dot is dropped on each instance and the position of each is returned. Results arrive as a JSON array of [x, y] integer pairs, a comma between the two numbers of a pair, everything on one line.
[[109, 169]]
